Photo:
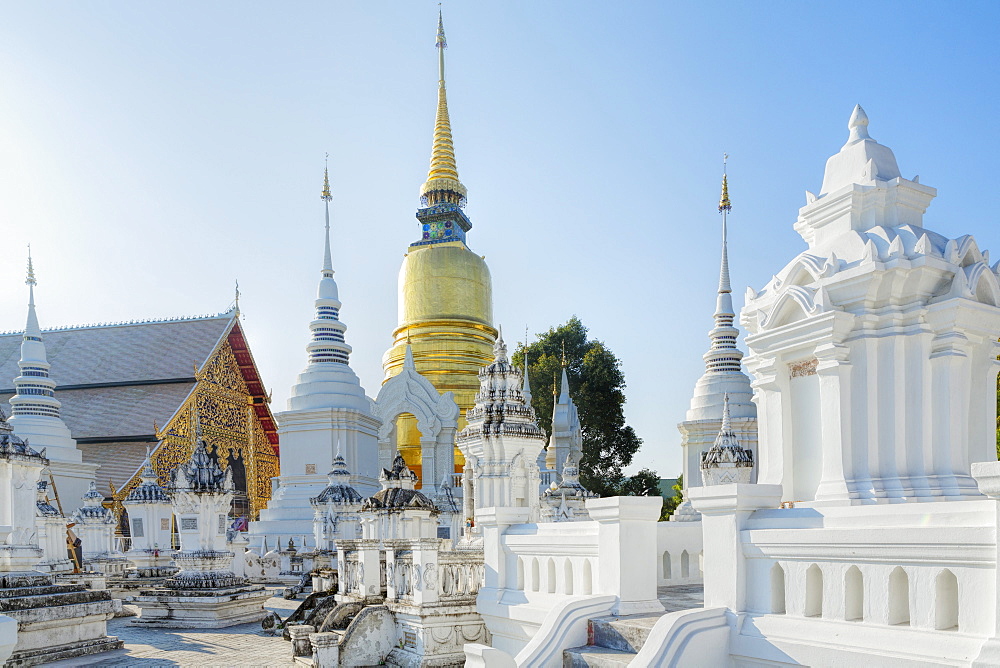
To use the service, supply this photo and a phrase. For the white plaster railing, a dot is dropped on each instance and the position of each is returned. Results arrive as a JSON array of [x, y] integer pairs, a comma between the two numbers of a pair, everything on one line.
[[902, 576], [460, 575], [679, 553], [531, 569], [351, 574]]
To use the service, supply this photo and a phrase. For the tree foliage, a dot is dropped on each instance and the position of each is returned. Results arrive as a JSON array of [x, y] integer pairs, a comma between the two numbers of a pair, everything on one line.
[[670, 504], [597, 386]]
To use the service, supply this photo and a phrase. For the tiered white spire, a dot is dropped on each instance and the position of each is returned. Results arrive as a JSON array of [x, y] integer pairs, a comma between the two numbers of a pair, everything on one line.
[[726, 461], [501, 407], [724, 386], [327, 343], [35, 390], [724, 356], [566, 439], [502, 441]]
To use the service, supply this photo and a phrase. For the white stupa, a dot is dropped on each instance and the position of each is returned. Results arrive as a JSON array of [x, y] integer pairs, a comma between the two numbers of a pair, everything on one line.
[[566, 439], [35, 411], [723, 377], [328, 412]]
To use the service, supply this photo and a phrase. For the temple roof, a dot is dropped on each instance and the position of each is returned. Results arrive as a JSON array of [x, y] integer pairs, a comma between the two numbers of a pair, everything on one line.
[[121, 354], [114, 381]]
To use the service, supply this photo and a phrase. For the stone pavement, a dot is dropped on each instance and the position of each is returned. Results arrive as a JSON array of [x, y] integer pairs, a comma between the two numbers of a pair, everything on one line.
[[243, 645]]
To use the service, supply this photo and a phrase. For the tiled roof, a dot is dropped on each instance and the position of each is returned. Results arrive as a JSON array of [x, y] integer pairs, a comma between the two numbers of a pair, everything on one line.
[[118, 412], [120, 353], [119, 462]]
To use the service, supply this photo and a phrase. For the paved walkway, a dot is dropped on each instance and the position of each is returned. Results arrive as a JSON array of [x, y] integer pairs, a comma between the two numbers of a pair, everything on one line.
[[243, 645], [246, 645]]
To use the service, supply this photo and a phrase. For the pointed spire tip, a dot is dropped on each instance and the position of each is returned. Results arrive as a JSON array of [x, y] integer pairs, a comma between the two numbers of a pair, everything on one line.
[[31, 270]]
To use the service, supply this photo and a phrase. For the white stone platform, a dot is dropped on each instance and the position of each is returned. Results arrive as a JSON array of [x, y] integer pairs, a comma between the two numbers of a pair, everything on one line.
[[186, 609], [245, 645]]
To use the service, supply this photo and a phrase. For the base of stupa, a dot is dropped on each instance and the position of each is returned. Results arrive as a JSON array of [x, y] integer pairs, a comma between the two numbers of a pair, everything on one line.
[[55, 622], [201, 608]]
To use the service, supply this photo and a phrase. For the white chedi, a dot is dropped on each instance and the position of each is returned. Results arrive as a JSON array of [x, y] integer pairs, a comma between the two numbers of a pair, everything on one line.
[[201, 494], [95, 526], [150, 514], [50, 526], [566, 501], [874, 296], [502, 442], [726, 461], [20, 468], [336, 509], [723, 378], [398, 511], [35, 410], [328, 413]]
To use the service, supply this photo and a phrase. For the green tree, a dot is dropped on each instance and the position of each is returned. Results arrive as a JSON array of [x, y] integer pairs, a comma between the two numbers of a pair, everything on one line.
[[597, 386], [670, 504]]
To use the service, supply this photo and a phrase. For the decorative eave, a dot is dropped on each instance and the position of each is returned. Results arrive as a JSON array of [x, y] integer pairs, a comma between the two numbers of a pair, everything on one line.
[[251, 376]]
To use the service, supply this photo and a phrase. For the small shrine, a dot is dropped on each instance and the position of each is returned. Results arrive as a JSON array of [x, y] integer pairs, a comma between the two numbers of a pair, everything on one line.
[[205, 593]]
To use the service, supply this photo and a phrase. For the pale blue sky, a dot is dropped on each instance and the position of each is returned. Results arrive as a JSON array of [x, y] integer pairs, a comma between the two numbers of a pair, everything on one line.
[[153, 153]]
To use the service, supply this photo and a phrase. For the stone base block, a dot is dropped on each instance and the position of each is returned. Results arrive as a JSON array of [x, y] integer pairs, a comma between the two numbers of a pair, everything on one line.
[[56, 621], [201, 608]]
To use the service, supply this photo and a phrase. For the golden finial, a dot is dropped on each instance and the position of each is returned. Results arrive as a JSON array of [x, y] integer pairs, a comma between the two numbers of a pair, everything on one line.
[[31, 270], [326, 196], [724, 203], [442, 183]]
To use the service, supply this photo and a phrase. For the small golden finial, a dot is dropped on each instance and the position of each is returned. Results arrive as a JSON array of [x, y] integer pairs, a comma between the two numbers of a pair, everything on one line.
[[555, 392], [724, 203], [326, 196], [31, 270]]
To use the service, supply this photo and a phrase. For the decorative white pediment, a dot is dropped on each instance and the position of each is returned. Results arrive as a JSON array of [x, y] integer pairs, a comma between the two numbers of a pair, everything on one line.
[[795, 303], [410, 392], [983, 284]]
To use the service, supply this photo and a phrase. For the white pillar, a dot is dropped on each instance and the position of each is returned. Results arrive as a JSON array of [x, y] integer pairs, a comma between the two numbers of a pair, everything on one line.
[[725, 510], [627, 551]]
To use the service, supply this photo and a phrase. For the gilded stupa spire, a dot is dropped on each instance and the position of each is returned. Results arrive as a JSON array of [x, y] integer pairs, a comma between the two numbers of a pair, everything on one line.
[[442, 184], [725, 206]]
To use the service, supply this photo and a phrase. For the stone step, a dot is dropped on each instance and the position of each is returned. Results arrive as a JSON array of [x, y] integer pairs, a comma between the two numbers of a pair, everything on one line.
[[40, 591], [596, 657], [626, 634], [53, 600], [55, 653]]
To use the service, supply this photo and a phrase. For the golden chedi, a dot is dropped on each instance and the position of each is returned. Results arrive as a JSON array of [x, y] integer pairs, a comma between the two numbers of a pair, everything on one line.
[[445, 292]]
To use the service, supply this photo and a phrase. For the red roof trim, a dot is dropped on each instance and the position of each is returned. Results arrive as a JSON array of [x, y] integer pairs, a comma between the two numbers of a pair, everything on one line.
[[251, 376]]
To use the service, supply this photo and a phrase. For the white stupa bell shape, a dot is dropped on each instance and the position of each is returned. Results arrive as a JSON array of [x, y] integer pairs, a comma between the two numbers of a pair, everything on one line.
[[328, 410], [35, 410]]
